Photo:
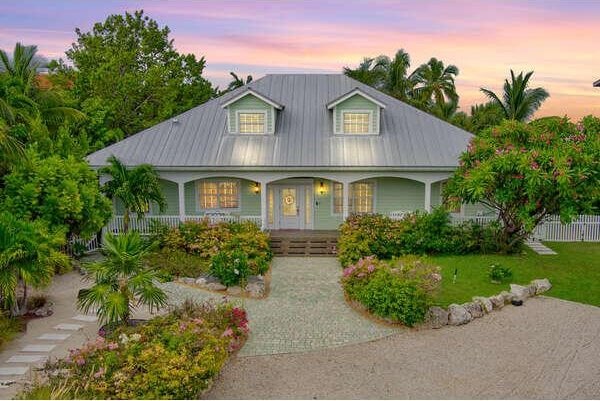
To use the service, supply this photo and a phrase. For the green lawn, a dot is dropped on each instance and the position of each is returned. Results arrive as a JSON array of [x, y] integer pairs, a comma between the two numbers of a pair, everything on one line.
[[574, 273]]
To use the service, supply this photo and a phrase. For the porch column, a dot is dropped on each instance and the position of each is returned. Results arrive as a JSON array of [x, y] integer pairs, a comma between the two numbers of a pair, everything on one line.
[[264, 218], [345, 200], [181, 197], [428, 196]]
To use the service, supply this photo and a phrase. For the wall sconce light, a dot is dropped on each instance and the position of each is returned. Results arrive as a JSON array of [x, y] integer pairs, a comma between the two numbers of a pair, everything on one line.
[[321, 188], [256, 188]]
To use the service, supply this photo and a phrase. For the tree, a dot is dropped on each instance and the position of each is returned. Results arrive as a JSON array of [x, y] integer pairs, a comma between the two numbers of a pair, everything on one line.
[[23, 64], [63, 193], [485, 115], [131, 66], [371, 71], [434, 82], [526, 172], [518, 102], [237, 81], [25, 250], [135, 187], [121, 282]]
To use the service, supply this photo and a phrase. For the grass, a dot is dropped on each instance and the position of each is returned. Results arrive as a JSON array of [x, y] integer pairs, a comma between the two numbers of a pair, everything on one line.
[[574, 273], [177, 263], [9, 328]]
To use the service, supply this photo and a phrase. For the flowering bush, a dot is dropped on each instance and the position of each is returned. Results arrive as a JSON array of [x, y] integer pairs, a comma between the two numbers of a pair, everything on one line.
[[171, 357], [230, 267], [204, 240], [417, 233], [401, 290]]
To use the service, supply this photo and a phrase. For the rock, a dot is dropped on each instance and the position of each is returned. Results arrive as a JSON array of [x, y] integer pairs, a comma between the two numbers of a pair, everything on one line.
[[507, 296], [216, 287], [256, 290], [201, 281], [458, 315], [474, 308], [541, 285], [486, 304], [235, 290], [437, 317], [43, 311], [188, 280], [532, 290], [498, 301], [519, 292]]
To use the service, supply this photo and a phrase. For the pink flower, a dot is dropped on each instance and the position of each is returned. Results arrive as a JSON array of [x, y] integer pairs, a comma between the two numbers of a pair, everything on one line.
[[371, 268], [99, 373], [535, 166], [80, 361], [112, 346], [227, 333]]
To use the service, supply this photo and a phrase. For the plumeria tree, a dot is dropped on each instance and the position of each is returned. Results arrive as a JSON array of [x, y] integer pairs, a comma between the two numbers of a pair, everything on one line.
[[529, 171]]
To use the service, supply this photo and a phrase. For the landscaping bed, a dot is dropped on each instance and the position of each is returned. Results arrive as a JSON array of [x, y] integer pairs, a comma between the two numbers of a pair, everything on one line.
[[175, 356], [224, 257]]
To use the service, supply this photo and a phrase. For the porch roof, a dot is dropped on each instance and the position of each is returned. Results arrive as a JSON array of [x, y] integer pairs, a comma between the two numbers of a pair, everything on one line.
[[198, 138]]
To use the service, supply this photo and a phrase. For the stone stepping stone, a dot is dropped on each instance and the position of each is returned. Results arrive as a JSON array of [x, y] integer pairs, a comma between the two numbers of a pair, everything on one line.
[[85, 318], [54, 336], [68, 326], [26, 358], [14, 371], [38, 348]]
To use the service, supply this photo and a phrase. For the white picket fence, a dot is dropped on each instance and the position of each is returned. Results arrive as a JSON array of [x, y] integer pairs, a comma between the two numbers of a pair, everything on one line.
[[584, 228], [144, 225]]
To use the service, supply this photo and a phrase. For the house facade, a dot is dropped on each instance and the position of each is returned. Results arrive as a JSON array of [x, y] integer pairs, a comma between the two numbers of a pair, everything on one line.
[[297, 151]]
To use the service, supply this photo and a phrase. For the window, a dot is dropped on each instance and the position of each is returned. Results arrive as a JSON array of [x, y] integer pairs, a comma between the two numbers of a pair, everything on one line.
[[251, 123], [356, 123], [361, 198], [219, 194]]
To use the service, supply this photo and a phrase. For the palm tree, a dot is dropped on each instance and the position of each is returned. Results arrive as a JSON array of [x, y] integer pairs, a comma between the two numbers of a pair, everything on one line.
[[371, 71], [434, 82], [25, 250], [10, 147], [135, 188], [237, 81], [518, 102], [397, 82], [23, 65], [121, 282], [486, 115]]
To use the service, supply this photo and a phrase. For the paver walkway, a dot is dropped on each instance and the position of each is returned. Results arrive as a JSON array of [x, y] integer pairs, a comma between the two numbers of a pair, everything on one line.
[[540, 248], [305, 309]]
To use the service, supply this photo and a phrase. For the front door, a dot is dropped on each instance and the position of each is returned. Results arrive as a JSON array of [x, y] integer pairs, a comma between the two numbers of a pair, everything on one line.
[[291, 209]]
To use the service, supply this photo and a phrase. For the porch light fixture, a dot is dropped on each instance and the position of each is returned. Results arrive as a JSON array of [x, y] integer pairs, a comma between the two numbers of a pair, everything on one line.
[[256, 188], [321, 188]]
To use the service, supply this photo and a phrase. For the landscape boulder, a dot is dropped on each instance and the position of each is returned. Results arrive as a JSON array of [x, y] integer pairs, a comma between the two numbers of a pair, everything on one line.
[[507, 296], [437, 317], [486, 304], [498, 301], [216, 286], [457, 315], [541, 285], [519, 292], [474, 308], [235, 290]]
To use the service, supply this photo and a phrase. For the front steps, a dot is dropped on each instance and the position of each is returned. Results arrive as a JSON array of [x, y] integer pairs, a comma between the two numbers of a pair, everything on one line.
[[304, 242]]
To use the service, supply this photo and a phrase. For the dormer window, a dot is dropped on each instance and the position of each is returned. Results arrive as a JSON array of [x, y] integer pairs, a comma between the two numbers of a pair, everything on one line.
[[251, 123], [356, 113], [356, 122], [251, 113]]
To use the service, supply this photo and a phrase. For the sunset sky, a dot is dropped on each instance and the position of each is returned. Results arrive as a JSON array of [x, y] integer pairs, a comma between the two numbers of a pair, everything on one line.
[[560, 40]]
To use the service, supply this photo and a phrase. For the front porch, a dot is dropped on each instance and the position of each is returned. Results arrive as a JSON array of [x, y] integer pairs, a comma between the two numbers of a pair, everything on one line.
[[289, 201]]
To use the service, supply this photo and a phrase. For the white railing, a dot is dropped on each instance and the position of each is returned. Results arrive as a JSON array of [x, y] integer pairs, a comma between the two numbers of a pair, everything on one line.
[[144, 225], [86, 245]]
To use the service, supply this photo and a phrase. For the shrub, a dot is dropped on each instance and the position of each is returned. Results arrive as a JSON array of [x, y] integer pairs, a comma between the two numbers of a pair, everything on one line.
[[401, 292], [176, 262], [9, 328], [230, 267], [418, 233], [498, 273], [205, 240], [174, 356]]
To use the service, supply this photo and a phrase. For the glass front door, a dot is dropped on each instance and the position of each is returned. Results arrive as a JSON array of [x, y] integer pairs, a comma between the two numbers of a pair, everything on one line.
[[291, 207]]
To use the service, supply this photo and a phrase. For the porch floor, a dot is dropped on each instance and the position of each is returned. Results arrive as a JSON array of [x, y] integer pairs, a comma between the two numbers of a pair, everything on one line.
[[304, 242]]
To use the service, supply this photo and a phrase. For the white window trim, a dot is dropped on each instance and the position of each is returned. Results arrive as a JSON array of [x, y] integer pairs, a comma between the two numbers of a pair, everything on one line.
[[250, 111], [199, 208], [333, 212], [372, 115]]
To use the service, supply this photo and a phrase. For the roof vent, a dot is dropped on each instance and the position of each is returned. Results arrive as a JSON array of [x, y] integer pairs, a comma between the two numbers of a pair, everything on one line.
[[175, 121]]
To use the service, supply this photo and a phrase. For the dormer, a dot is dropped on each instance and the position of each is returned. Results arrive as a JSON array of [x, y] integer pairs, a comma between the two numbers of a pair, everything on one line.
[[356, 113], [251, 113]]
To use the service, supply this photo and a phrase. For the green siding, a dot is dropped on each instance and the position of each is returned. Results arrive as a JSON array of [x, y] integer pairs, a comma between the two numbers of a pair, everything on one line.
[[249, 201], [394, 194], [324, 218], [171, 194], [436, 194], [251, 102], [355, 102]]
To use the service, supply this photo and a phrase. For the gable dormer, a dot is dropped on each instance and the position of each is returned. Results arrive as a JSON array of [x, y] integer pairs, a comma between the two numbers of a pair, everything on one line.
[[356, 113], [251, 113]]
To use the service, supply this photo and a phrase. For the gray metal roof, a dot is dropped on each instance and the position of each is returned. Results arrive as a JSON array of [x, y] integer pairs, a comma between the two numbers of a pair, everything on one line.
[[303, 136]]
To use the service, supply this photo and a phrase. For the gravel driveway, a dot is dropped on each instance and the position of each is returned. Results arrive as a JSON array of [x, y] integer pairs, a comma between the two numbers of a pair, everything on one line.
[[547, 348]]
